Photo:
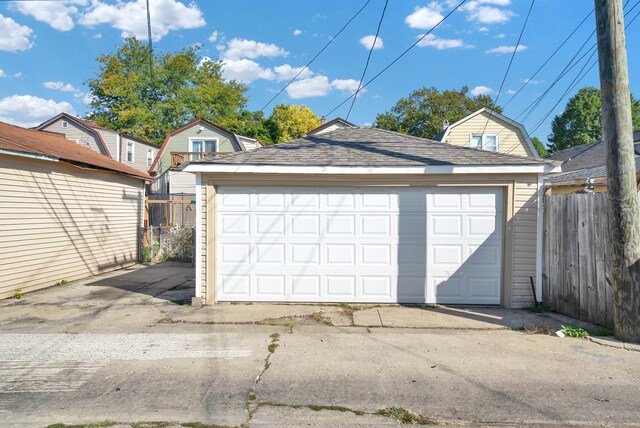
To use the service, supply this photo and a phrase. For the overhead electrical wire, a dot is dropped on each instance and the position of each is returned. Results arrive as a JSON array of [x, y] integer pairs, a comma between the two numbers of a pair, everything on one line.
[[366, 65], [331, 40], [385, 68]]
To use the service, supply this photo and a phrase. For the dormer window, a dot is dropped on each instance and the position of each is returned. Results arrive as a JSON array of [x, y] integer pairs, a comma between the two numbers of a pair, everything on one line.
[[65, 124], [484, 142]]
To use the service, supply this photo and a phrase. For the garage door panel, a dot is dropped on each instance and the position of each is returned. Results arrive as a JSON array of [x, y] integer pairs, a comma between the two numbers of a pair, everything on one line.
[[358, 245]]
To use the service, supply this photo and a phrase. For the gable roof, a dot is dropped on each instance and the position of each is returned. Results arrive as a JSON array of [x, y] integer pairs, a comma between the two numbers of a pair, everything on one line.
[[187, 126], [597, 173], [85, 124], [17, 140], [369, 147], [588, 155], [331, 123], [445, 132]]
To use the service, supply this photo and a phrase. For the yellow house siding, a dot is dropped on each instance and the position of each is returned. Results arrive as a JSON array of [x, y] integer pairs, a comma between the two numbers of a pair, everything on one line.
[[525, 240], [180, 143], [510, 138], [60, 222]]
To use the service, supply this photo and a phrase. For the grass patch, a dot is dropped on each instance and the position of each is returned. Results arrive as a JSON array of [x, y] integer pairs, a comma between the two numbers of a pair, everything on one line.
[[17, 295], [96, 425], [314, 407], [574, 331], [405, 416], [62, 282], [327, 321], [275, 337], [539, 309], [146, 301], [252, 397], [272, 347]]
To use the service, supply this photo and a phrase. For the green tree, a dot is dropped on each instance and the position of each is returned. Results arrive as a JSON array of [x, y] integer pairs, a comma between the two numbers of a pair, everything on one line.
[[128, 97], [581, 120], [251, 124], [288, 122], [421, 114], [540, 148]]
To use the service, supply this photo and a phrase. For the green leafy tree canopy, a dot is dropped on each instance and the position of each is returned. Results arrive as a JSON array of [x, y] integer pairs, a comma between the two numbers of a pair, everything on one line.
[[288, 122], [129, 97], [540, 148], [421, 114], [581, 120]]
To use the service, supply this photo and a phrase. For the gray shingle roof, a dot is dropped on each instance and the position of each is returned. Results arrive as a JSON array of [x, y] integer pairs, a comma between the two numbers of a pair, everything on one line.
[[368, 147], [585, 156], [583, 174]]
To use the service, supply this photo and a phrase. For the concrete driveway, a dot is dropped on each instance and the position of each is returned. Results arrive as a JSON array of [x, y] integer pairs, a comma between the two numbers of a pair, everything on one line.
[[128, 348]]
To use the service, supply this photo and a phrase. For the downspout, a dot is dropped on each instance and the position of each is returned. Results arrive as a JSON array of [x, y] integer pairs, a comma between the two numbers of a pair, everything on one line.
[[118, 146]]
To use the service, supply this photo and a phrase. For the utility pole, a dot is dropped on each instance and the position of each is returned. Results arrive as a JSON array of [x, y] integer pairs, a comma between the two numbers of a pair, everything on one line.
[[617, 130]]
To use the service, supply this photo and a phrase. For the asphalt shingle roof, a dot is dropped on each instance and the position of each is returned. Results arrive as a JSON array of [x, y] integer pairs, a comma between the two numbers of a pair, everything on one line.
[[368, 147], [583, 174]]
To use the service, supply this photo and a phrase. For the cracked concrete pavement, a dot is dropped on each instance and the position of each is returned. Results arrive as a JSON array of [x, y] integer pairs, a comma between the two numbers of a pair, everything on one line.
[[127, 347]]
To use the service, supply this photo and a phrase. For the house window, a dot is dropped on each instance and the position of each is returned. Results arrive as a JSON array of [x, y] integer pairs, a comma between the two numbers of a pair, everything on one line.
[[202, 146], [129, 151], [484, 142], [65, 124], [149, 157]]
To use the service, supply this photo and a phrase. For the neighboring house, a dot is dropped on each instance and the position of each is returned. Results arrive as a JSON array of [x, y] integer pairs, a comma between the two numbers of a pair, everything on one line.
[[67, 212], [121, 147], [584, 167], [488, 130], [332, 125], [372, 216], [195, 140]]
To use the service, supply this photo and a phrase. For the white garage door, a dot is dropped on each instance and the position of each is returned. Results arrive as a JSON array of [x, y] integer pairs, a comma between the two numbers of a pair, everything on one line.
[[359, 245]]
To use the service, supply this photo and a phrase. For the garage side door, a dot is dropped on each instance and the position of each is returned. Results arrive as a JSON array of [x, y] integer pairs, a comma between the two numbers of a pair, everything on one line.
[[319, 245]]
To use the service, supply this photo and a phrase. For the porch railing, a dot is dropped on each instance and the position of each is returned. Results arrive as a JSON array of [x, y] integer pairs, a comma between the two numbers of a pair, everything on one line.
[[180, 158]]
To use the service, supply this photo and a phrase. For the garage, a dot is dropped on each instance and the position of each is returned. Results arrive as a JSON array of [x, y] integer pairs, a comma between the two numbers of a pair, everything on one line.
[[364, 215], [359, 245]]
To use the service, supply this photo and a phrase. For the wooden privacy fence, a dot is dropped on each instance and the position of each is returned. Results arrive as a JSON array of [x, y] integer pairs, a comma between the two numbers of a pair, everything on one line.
[[576, 277]]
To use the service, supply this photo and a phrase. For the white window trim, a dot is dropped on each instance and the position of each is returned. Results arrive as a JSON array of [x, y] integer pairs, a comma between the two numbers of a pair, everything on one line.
[[133, 152], [484, 141], [192, 139], [150, 158]]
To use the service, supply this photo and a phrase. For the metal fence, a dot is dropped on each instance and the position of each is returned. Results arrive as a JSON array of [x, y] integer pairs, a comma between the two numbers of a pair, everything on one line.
[[160, 243]]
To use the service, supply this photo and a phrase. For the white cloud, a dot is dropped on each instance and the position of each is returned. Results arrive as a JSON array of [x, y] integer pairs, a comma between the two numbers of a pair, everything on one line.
[[368, 41], [85, 97], [131, 17], [243, 48], [214, 37], [435, 42], [425, 18], [483, 29], [487, 14], [287, 72], [481, 90], [347, 85], [510, 91], [500, 36], [2, 73], [318, 86], [97, 36], [532, 82], [245, 70], [28, 110], [506, 49], [59, 86], [297, 32], [376, 97], [13, 36], [60, 15]]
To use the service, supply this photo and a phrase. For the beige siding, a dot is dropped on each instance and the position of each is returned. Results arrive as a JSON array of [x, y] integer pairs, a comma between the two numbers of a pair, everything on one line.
[[74, 132], [521, 226], [180, 143], [110, 138], [510, 138], [60, 222], [139, 154], [182, 182], [331, 128]]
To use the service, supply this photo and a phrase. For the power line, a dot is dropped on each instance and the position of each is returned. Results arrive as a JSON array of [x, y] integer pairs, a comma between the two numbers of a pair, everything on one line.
[[366, 65], [506, 73], [316, 56], [399, 56]]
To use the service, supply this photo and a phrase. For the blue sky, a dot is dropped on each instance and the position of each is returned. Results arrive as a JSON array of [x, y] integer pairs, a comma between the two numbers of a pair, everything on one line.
[[48, 49]]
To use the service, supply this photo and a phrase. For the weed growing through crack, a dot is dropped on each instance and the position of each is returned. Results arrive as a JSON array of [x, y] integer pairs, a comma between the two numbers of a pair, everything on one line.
[[573, 331], [272, 347], [539, 309], [252, 397], [405, 416], [62, 282], [17, 295]]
